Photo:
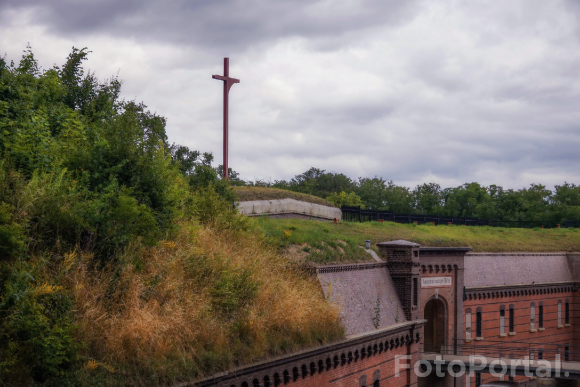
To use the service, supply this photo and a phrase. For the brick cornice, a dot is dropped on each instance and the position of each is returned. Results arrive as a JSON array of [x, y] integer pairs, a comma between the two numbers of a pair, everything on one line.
[[520, 286], [524, 290], [349, 267], [351, 343]]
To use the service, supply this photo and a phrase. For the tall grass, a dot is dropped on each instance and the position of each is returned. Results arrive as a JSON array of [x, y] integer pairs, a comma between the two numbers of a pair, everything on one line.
[[205, 302]]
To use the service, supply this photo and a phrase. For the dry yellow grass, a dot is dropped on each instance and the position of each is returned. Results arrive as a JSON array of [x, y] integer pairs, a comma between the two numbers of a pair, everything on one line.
[[262, 193], [155, 319]]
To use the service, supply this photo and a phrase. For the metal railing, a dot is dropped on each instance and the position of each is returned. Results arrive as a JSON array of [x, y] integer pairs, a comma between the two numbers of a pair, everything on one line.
[[356, 214]]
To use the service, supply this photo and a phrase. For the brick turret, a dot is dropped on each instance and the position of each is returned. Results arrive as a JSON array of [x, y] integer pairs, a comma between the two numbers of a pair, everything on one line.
[[404, 266]]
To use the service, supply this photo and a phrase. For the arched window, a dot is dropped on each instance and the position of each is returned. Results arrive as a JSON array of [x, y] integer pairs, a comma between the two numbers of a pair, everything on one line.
[[559, 313], [286, 376], [377, 378], [304, 371], [362, 381], [512, 319], [567, 312], [502, 320], [267, 381], [245, 384], [295, 374], [541, 315], [478, 332], [468, 324], [533, 317], [256, 383]]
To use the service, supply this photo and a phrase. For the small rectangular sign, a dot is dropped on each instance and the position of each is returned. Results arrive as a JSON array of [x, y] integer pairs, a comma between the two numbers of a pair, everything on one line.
[[432, 282]]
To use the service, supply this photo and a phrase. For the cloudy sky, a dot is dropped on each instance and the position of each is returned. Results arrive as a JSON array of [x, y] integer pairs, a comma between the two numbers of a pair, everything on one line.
[[414, 91]]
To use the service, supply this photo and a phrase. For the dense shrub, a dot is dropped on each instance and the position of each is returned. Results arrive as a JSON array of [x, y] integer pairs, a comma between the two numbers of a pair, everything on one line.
[[120, 252]]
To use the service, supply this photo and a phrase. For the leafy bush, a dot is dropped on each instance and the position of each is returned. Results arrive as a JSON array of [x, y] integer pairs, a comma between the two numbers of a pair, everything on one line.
[[36, 328], [11, 234]]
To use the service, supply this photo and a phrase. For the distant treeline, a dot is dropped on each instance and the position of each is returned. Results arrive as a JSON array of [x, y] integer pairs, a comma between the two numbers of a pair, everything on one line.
[[535, 203]]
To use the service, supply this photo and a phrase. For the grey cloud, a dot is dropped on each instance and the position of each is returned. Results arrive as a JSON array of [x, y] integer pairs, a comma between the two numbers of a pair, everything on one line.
[[217, 24], [475, 91]]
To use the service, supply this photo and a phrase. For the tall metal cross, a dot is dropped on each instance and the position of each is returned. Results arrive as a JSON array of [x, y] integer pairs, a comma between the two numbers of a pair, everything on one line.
[[228, 83]]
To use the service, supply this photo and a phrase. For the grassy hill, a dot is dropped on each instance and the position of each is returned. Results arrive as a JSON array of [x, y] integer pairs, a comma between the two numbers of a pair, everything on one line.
[[325, 242], [246, 194]]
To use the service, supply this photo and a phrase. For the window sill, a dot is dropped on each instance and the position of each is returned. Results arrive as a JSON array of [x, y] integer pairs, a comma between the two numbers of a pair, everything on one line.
[[512, 333], [560, 326], [502, 335], [468, 340], [478, 338], [533, 330], [567, 325], [541, 329]]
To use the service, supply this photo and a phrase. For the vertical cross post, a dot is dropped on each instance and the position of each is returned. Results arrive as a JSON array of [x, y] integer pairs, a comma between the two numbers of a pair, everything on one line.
[[228, 83]]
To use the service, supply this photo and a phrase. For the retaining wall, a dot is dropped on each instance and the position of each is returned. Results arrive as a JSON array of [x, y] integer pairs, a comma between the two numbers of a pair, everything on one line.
[[365, 293], [287, 207]]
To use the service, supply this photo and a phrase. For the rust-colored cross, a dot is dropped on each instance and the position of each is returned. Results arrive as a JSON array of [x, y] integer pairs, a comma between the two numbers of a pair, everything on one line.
[[228, 83]]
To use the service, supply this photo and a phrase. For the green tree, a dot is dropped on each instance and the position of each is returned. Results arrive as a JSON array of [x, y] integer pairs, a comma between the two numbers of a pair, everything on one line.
[[428, 198], [340, 199]]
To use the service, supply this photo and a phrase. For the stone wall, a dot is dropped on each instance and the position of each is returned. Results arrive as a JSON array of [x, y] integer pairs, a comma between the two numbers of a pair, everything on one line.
[[362, 290], [280, 207]]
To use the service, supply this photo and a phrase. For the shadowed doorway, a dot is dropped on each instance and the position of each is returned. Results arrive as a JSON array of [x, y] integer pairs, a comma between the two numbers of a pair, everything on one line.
[[435, 326]]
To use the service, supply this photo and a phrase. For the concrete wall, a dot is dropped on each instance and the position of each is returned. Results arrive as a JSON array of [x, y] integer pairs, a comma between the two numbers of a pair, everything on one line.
[[493, 269], [288, 206], [356, 288]]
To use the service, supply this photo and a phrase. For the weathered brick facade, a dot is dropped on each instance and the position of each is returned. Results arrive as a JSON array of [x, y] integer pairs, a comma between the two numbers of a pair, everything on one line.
[[369, 359]]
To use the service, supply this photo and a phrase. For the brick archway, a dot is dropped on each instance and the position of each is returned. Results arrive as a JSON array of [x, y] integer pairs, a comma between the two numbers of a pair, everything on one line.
[[436, 315]]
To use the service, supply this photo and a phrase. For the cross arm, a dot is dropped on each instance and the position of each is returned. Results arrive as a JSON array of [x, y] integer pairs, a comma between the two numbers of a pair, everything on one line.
[[226, 79]]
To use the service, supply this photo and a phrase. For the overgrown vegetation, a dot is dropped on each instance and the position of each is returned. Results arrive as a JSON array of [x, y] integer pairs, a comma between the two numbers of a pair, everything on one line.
[[121, 259], [307, 236]]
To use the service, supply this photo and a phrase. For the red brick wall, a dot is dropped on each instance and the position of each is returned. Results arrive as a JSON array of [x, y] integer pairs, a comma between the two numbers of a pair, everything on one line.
[[350, 374], [551, 335]]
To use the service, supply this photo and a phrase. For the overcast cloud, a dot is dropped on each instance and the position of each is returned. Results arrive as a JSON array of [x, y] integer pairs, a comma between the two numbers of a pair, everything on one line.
[[413, 91]]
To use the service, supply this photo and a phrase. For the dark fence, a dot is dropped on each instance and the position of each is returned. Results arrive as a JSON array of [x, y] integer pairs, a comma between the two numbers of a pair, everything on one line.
[[356, 214]]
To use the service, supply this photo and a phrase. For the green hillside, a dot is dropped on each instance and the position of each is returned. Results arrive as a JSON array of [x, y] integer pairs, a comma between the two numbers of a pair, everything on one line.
[[325, 242]]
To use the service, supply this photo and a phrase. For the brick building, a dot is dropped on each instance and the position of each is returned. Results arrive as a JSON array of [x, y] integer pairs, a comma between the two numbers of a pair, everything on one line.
[[426, 300]]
